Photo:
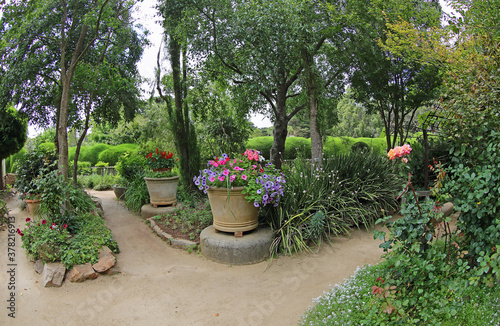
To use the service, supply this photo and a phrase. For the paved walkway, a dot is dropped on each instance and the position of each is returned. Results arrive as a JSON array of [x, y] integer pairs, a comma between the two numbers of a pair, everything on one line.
[[160, 285]]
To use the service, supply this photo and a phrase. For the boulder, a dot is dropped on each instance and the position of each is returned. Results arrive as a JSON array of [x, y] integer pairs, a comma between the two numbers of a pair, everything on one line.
[[53, 274], [81, 273], [106, 260], [38, 266]]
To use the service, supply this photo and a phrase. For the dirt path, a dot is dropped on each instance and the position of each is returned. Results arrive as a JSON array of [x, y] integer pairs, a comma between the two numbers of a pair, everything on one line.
[[160, 285]]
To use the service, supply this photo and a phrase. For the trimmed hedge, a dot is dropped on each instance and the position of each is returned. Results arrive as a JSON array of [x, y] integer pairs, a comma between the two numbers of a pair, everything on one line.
[[297, 147], [88, 153], [332, 146], [262, 144], [112, 154]]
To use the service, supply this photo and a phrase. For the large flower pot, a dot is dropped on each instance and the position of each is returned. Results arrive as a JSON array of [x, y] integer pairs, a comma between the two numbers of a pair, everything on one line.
[[33, 205], [162, 191], [231, 211], [119, 191]]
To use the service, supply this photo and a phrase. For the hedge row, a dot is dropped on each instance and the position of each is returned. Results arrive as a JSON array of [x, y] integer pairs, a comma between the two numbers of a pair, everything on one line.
[[102, 153], [332, 146]]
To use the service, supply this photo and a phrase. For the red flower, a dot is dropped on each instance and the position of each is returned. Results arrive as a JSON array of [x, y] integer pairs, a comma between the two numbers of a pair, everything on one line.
[[44, 222], [379, 279], [157, 151], [28, 219], [65, 226]]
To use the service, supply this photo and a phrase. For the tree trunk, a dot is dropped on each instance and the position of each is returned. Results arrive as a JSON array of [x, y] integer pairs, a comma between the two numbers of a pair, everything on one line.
[[280, 128], [316, 139], [80, 142], [62, 130]]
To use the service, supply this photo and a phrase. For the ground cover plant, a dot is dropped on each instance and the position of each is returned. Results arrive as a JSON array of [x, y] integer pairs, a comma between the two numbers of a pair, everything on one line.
[[187, 221], [426, 277]]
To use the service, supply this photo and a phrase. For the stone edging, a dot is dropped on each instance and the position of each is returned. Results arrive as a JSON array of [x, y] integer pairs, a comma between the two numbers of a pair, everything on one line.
[[174, 242]]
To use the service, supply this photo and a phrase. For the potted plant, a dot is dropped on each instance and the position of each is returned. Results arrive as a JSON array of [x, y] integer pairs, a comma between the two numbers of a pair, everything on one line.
[[160, 179], [32, 201], [237, 187], [119, 188]]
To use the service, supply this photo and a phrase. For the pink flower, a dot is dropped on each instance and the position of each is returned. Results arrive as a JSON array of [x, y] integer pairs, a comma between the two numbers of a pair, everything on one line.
[[232, 178], [211, 179], [244, 177], [221, 177], [404, 159], [225, 172]]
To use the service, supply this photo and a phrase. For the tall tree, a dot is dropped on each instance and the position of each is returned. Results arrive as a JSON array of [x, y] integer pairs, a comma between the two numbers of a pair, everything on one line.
[[391, 85], [56, 35], [259, 46], [173, 12]]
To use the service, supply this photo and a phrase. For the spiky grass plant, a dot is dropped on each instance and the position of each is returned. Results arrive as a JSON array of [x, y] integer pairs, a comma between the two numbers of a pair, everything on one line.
[[349, 190]]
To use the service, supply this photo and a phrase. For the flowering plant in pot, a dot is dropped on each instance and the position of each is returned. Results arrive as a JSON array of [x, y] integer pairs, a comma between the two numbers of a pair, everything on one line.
[[160, 161], [236, 187], [161, 178], [262, 184]]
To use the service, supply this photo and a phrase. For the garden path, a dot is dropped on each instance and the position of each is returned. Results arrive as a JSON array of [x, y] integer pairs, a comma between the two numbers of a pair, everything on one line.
[[160, 285]]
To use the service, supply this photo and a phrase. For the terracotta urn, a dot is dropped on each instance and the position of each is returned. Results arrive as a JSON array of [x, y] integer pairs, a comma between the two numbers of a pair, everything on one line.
[[231, 211]]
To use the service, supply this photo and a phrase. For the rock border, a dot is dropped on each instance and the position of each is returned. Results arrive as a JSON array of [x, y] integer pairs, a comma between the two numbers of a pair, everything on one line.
[[174, 242], [54, 274]]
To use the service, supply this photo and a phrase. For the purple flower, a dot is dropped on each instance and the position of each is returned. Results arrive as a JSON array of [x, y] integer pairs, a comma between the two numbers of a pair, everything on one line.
[[256, 204], [259, 191]]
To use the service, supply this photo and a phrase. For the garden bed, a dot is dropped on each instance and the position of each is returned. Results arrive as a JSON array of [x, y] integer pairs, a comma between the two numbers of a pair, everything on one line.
[[186, 222]]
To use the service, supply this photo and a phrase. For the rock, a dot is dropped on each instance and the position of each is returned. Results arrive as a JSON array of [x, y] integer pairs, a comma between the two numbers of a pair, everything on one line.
[[81, 273], [38, 266], [447, 209], [53, 274], [106, 260]]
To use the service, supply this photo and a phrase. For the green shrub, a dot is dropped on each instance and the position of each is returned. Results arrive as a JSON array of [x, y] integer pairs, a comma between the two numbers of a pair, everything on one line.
[[91, 235], [262, 144], [112, 154], [130, 166], [360, 146], [297, 147], [349, 190], [47, 147], [91, 153], [30, 167], [13, 161], [137, 194]]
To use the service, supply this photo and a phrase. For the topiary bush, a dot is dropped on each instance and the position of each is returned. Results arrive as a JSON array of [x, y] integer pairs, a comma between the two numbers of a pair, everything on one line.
[[297, 147], [112, 154], [262, 144], [91, 153]]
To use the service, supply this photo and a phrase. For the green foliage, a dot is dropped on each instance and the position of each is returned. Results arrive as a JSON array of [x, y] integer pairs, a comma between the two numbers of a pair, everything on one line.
[[30, 167], [13, 131], [44, 240], [88, 153], [60, 201], [112, 154], [103, 181], [137, 194], [131, 165], [354, 120], [349, 190], [91, 235], [475, 187], [13, 160], [297, 147], [354, 302], [261, 144], [188, 218]]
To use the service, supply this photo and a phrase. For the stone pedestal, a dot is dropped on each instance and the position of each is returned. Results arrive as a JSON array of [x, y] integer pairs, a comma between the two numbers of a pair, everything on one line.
[[224, 248]]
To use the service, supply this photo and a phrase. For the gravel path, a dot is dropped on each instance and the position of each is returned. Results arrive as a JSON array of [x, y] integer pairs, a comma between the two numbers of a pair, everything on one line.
[[160, 285]]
